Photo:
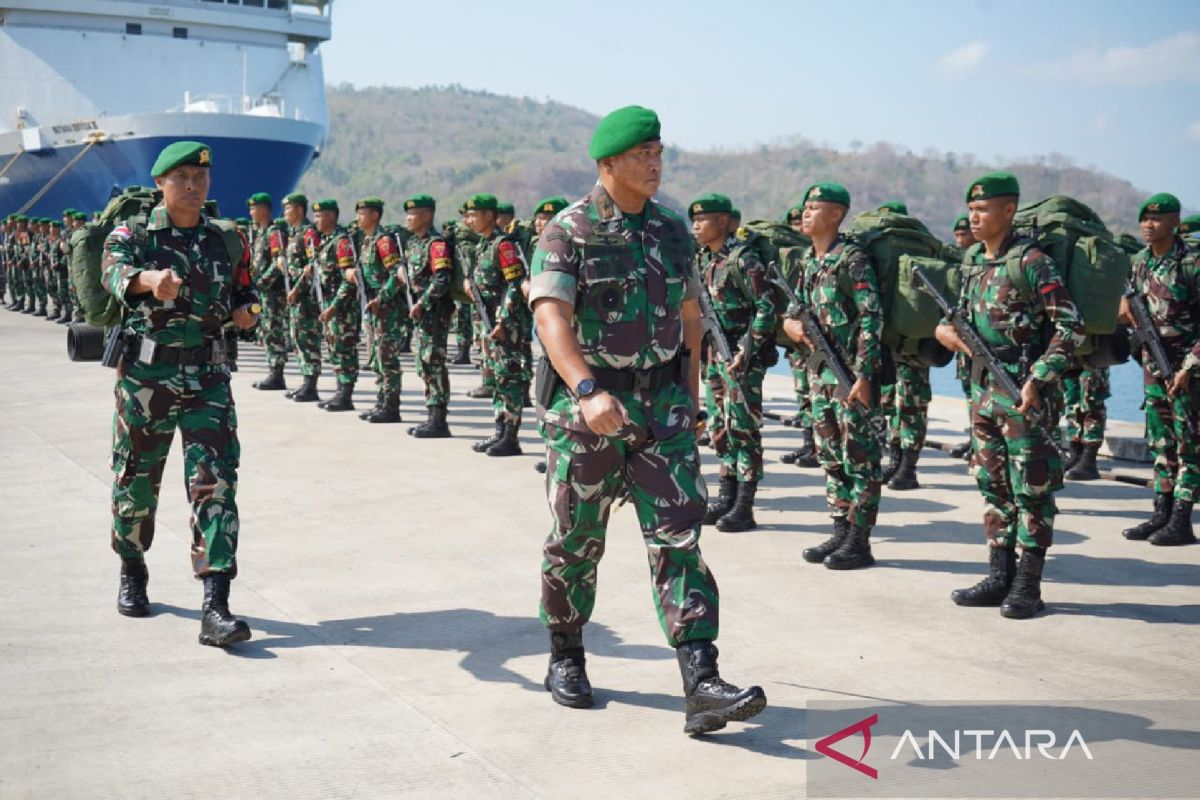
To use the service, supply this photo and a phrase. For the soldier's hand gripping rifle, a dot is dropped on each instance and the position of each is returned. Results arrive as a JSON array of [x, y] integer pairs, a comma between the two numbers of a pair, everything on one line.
[[1000, 377], [825, 352], [711, 327], [1145, 335]]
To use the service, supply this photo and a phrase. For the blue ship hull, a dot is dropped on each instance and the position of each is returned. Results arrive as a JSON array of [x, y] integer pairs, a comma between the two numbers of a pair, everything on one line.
[[240, 168]]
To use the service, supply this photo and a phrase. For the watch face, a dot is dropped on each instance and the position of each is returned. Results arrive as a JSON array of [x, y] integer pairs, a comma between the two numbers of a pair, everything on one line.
[[586, 387]]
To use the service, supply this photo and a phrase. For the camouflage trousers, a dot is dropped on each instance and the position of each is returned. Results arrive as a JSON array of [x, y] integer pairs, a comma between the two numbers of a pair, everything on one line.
[[341, 334], [905, 405], [1173, 432], [16, 283], [487, 370], [798, 361], [406, 329], [38, 284], [306, 334], [1084, 393], [273, 327], [432, 333], [152, 401], [462, 324], [848, 450], [510, 378], [735, 428], [385, 327], [584, 475], [62, 291], [1017, 469]]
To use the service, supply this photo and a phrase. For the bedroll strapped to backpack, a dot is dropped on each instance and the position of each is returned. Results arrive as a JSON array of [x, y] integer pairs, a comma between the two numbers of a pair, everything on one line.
[[896, 244], [131, 207]]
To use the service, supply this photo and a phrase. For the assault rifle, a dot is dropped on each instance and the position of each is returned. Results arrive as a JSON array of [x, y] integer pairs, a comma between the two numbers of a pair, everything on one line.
[[1145, 335], [360, 279], [826, 353], [1000, 377], [484, 318], [716, 336]]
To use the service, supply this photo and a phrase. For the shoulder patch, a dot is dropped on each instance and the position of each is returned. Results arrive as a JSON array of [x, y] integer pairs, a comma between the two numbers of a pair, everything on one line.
[[121, 232], [439, 255]]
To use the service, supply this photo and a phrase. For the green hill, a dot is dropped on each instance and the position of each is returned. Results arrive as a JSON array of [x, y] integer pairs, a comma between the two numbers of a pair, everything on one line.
[[451, 142]]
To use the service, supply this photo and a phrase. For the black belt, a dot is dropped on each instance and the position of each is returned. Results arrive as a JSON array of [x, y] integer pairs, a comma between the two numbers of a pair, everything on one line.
[[628, 380], [216, 351]]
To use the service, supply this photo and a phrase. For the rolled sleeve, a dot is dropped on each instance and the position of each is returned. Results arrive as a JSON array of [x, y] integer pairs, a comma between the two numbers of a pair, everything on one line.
[[558, 285], [120, 264]]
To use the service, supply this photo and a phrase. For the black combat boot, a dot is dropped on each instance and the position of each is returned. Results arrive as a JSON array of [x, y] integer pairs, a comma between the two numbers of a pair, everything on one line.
[[307, 392], [483, 445], [56, 315], [906, 477], [1085, 468], [1025, 597], [30, 306], [1178, 529], [218, 627], [854, 552], [273, 382], [131, 597], [816, 555], [480, 392], [508, 443], [65, 319], [567, 679], [726, 494], [991, 591], [389, 411], [711, 703], [960, 450], [703, 440], [434, 426], [464, 354], [1074, 453], [741, 516], [378, 405], [808, 450], [540, 467], [895, 454], [1160, 517], [41, 310], [342, 400]]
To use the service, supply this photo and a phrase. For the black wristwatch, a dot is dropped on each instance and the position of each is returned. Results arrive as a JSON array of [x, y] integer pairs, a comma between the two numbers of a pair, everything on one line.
[[586, 387]]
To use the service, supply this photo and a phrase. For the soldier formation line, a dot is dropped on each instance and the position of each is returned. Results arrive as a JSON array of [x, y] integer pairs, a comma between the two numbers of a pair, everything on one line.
[[632, 315]]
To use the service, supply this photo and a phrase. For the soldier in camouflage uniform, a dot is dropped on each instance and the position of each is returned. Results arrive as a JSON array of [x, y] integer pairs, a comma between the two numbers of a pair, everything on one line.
[[1166, 276], [38, 262], [461, 241], [22, 247], [379, 258], [736, 281], [341, 313], [267, 270], [963, 238], [1034, 330], [293, 248], [6, 231], [840, 286], [57, 256], [431, 269], [181, 284], [797, 356], [614, 294], [1084, 393], [498, 274]]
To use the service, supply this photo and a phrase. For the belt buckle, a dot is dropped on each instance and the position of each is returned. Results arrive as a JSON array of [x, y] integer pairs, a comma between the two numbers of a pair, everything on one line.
[[642, 380], [148, 348]]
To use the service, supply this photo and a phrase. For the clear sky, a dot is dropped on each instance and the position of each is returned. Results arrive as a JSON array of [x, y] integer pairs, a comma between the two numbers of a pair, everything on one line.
[[1115, 85]]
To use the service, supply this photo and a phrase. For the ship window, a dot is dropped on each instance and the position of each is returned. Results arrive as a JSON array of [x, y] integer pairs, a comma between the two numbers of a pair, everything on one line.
[[179, 33], [255, 3], [277, 4], [133, 28]]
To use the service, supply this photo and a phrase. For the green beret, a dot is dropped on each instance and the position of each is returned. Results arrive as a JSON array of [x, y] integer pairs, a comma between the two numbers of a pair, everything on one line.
[[178, 154], [551, 205], [1161, 203], [243, 221], [894, 206], [55, 223], [1189, 225], [505, 208], [463, 208], [994, 184], [370, 202], [829, 192], [709, 203], [622, 129], [736, 213], [482, 202], [961, 223], [794, 213], [295, 199], [328, 204], [79, 215], [67, 212], [260, 199], [419, 201], [20, 218]]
